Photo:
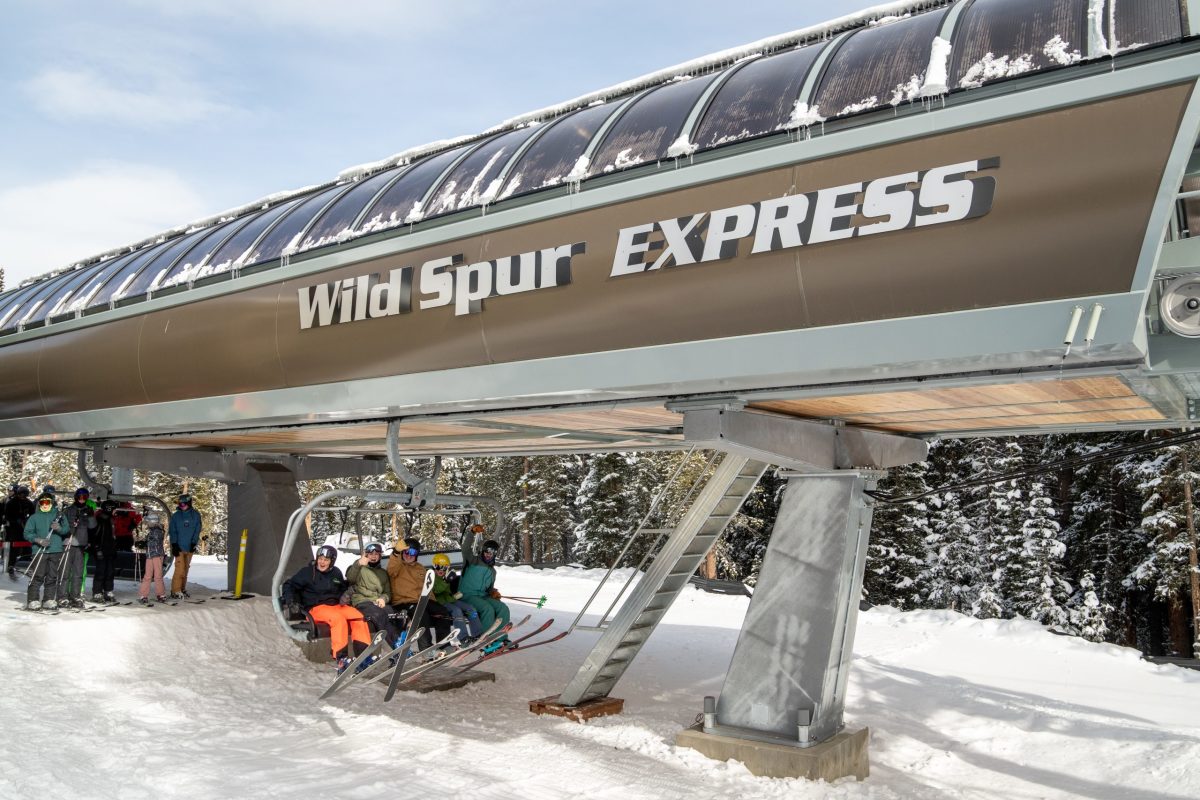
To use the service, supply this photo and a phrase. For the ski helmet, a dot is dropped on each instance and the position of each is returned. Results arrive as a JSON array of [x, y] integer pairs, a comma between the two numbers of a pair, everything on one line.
[[441, 560], [489, 550], [373, 547], [82, 491], [152, 519], [185, 498], [327, 551], [45, 497], [22, 491]]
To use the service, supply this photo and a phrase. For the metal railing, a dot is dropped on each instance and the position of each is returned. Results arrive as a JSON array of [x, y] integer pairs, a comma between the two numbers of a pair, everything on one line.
[[703, 475]]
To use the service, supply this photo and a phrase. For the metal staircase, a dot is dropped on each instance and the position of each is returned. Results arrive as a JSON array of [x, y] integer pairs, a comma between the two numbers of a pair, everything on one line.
[[715, 505]]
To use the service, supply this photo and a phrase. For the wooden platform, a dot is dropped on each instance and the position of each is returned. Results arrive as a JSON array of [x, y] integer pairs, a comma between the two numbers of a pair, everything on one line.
[[599, 707]]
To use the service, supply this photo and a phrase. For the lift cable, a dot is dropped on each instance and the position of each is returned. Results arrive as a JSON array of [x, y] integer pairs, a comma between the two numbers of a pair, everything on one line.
[[1109, 454]]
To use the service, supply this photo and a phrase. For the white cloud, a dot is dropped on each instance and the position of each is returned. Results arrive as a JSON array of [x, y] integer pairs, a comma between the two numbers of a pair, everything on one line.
[[393, 19], [85, 93], [48, 225]]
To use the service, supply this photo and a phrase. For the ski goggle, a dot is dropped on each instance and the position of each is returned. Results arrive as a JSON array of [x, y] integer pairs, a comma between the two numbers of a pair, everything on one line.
[[489, 551], [45, 504], [410, 551], [440, 569]]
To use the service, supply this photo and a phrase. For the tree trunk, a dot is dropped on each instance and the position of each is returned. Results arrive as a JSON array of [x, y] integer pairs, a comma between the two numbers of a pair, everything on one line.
[[1193, 571], [1177, 624], [526, 544]]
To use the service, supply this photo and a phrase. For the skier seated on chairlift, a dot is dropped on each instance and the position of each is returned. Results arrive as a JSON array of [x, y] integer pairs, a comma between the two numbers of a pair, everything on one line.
[[478, 584], [370, 591], [407, 576], [318, 589], [463, 616]]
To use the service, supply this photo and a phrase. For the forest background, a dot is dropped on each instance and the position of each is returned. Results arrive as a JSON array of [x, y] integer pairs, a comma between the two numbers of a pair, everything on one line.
[[1101, 549]]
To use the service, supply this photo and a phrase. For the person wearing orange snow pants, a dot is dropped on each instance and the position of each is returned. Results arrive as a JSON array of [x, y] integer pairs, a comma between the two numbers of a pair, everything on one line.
[[345, 623], [318, 589]]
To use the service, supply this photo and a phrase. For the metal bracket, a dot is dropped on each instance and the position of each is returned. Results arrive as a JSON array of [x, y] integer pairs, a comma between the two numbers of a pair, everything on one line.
[[798, 444]]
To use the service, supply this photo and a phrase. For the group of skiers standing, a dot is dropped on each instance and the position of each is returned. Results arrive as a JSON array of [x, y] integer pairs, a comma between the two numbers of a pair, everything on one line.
[[61, 536], [387, 597]]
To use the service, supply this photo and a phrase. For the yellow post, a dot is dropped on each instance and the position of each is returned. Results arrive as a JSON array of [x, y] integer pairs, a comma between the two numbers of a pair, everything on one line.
[[241, 570]]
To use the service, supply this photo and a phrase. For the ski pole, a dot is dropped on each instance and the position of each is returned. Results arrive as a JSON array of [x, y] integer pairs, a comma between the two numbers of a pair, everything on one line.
[[533, 601], [33, 562]]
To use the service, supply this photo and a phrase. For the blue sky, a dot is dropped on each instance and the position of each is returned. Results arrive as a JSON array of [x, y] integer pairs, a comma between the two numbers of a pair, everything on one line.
[[122, 118]]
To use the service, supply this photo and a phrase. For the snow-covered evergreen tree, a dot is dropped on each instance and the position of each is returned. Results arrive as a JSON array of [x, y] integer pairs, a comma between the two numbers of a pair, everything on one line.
[[607, 509], [1088, 613], [895, 557], [951, 563], [1041, 592]]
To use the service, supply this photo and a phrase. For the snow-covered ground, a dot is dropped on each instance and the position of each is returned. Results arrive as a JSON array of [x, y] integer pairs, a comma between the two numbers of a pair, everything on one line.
[[211, 701]]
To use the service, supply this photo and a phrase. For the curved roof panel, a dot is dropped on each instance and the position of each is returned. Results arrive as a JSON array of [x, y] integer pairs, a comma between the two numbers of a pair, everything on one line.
[[233, 250], [338, 220], [881, 66], [550, 159], [401, 203], [648, 128], [757, 99], [1144, 23], [999, 39], [287, 232], [476, 180]]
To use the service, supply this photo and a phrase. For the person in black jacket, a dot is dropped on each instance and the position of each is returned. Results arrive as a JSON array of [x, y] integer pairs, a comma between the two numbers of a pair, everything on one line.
[[318, 589], [17, 511], [80, 521], [102, 547]]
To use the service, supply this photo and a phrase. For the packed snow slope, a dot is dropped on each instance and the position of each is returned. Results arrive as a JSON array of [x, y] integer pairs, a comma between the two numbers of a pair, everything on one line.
[[211, 701]]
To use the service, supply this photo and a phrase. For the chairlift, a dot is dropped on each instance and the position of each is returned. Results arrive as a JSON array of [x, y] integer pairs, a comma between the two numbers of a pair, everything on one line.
[[393, 502]]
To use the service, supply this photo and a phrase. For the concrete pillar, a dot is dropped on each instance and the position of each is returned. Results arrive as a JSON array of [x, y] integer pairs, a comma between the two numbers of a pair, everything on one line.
[[793, 655], [262, 504]]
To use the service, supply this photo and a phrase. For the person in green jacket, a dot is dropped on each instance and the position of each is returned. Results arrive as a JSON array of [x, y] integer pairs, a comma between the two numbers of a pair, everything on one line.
[[46, 531], [478, 583], [463, 615], [371, 591]]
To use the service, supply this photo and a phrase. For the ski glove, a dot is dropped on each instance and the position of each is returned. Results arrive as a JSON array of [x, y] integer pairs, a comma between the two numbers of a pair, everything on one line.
[[294, 609], [175, 550], [494, 594], [458, 595]]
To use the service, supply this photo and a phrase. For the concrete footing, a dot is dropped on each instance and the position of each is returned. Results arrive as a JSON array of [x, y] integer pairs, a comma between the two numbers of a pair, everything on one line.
[[843, 754], [598, 707]]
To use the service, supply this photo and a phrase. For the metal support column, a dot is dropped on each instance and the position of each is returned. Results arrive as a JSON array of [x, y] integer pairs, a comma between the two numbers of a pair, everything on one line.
[[262, 505], [787, 680]]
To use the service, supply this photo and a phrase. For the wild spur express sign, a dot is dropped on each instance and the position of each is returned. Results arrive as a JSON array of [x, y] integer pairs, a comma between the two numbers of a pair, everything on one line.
[[909, 200]]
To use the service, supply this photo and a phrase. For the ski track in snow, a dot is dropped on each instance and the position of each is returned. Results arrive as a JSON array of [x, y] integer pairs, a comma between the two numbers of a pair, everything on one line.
[[200, 701]]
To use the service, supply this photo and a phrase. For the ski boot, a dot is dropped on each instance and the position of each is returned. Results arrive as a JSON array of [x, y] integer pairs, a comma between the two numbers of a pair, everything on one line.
[[143, 601], [33, 605], [97, 597], [162, 598], [109, 597], [342, 663], [499, 644]]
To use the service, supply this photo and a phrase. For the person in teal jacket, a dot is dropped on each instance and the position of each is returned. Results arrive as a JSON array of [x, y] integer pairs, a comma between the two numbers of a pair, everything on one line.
[[46, 531], [478, 582]]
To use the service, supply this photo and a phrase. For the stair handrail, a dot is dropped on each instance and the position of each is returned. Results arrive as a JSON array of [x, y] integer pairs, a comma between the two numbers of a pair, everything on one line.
[[653, 549], [662, 492]]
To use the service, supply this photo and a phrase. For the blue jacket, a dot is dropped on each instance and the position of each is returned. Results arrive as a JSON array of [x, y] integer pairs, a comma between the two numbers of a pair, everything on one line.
[[185, 529]]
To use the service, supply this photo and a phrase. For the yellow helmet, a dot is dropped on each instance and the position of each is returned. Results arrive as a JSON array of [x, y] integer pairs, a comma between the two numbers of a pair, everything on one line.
[[441, 560]]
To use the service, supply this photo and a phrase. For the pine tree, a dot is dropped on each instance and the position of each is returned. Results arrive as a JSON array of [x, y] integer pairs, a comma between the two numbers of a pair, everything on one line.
[[1041, 593], [607, 511], [742, 547], [895, 557], [951, 566], [1088, 613]]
